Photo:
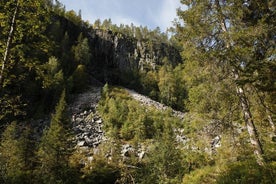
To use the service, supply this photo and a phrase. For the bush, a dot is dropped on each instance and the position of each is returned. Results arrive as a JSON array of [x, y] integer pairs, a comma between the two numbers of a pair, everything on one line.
[[204, 175], [248, 172]]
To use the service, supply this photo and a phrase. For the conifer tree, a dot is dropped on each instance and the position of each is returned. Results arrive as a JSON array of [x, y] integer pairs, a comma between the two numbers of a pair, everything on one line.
[[165, 159], [167, 85], [54, 147], [82, 51], [13, 156], [231, 34]]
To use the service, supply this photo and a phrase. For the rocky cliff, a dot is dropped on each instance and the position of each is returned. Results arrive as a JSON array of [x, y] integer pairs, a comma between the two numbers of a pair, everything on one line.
[[114, 54]]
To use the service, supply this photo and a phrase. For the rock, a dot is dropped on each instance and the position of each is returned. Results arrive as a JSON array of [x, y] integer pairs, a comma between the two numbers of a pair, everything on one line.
[[141, 155], [99, 121], [90, 159], [144, 100], [81, 143], [119, 51], [78, 120], [216, 143]]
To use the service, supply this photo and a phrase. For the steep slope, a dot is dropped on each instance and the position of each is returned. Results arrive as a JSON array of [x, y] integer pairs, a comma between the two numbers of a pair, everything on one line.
[[86, 121], [144, 100]]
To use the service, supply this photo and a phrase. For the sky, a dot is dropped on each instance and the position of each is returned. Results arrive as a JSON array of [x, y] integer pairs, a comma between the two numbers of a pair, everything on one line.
[[150, 13]]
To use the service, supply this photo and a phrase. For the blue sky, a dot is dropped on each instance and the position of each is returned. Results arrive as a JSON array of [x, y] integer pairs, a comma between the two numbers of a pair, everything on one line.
[[150, 13]]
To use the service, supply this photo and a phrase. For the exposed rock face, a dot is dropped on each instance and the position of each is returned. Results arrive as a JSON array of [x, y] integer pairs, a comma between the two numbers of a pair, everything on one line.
[[114, 54], [125, 54]]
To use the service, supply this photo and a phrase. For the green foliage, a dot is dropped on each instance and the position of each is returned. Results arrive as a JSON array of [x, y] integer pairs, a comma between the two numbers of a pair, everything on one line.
[[79, 79], [149, 82], [52, 75], [101, 172], [82, 51], [167, 85], [14, 155], [127, 118], [73, 17], [54, 148], [203, 175], [248, 172], [28, 48], [225, 41], [165, 163]]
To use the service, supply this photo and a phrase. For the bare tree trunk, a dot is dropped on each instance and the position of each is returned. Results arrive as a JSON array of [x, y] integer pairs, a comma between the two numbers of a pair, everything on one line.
[[251, 129], [269, 118], [9, 40], [271, 124]]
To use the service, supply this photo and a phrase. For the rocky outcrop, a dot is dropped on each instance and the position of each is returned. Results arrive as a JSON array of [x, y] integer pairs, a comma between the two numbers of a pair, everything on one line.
[[115, 51]]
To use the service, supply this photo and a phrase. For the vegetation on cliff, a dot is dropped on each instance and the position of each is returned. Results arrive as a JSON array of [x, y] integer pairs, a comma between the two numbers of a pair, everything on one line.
[[218, 67]]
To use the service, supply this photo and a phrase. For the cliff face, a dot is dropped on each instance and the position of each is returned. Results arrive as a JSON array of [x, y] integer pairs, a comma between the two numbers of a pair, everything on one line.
[[115, 51]]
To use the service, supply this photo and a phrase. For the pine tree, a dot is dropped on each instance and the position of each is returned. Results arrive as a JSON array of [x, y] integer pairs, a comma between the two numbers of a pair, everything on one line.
[[13, 156], [230, 34], [82, 51], [167, 85], [165, 159], [54, 147]]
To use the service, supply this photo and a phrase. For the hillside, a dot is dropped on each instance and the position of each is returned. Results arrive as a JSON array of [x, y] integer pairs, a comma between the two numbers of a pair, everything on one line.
[[102, 103]]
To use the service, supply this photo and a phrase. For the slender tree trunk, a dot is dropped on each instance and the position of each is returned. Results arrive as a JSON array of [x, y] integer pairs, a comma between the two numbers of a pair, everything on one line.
[[248, 118], [9, 40], [251, 129], [271, 124], [269, 118]]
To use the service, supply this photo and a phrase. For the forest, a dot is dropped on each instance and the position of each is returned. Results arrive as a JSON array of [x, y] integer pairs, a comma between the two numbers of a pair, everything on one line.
[[101, 103]]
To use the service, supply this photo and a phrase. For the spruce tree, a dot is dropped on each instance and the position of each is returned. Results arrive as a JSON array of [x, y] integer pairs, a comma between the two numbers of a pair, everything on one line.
[[13, 156], [81, 51], [54, 147]]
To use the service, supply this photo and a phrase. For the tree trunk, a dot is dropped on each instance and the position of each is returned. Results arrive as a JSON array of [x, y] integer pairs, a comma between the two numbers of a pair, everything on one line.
[[269, 118], [251, 129], [9, 40], [271, 124]]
